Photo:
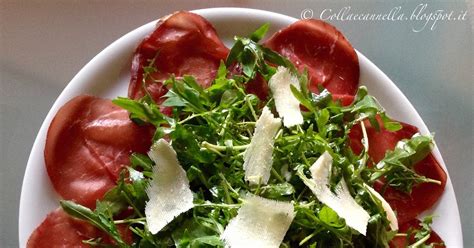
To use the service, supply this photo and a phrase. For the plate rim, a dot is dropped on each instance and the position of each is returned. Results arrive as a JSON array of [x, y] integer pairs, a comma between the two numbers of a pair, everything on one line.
[[113, 47]]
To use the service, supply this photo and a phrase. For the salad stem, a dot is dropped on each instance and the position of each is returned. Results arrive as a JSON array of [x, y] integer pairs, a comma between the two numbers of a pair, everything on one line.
[[420, 242], [137, 220], [277, 176], [217, 205], [210, 146]]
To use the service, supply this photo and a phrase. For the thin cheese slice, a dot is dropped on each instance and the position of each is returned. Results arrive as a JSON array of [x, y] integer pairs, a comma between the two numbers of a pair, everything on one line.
[[392, 218], [259, 223], [258, 156], [287, 106], [169, 191], [341, 201]]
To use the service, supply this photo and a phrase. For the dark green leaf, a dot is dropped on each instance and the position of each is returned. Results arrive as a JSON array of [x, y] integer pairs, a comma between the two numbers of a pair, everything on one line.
[[141, 161], [144, 110], [328, 216], [80, 212], [277, 59], [101, 218], [186, 144], [389, 124], [260, 32], [235, 52], [301, 98], [192, 234], [277, 191]]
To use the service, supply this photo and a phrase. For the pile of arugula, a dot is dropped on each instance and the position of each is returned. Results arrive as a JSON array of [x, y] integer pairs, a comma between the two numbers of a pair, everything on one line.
[[210, 129]]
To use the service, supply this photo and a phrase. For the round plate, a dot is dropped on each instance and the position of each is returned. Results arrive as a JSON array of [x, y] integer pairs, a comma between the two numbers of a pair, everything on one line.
[[107, 75]]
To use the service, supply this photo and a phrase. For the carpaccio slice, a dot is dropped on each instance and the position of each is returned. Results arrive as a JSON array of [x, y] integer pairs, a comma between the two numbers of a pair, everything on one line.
[[345, 100], [401, 242], [88, 143], [61, 230], [424, 195], [318, 46], [182, 44]]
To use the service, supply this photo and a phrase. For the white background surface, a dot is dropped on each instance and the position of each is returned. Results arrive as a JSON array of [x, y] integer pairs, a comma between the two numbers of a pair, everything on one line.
[[43, 44]]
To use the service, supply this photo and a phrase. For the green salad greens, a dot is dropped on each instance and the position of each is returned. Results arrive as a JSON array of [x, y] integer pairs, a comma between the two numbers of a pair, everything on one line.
[[210, 130]]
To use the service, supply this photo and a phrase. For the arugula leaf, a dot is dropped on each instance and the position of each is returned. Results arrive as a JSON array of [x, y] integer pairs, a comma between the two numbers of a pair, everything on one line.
[[418, 237], [277, 191], [328, 216], [221, 84], [101, 218], [142, 111], [389, 124], [235, 51], [260, 32], [366, 106], [397, 165], [306, 102], [142, 161], [114, 201], [425, 227], [310, 100], [187, 145], [186, 93], [192, 234], [252, 56]]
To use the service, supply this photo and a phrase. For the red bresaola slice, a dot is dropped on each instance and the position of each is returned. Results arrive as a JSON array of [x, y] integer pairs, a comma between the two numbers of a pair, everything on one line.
[[61, 230], [318, 46], [345, 100], [423, 196], [88, 143], [183, 44], [401, 242], [379, 141]]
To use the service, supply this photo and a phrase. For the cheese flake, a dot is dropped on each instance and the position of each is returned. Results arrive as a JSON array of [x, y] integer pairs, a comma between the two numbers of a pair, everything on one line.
[[391, 217], [169, 191], [341, 201], [260, 223], [287, 106], [258, 156]]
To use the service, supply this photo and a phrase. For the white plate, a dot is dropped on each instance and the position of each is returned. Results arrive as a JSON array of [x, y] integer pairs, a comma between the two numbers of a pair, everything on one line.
[[107, 75]]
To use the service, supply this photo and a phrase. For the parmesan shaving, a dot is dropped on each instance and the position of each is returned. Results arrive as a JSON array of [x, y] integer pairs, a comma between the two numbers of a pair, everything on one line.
[[391, 217], [169, 191], [259, 223], [258, 156], [341, 201], [287, 106]]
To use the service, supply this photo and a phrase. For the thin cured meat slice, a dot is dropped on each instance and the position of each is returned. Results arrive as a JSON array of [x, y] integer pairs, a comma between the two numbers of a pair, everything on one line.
[[401, 242], [379, 141], [423, 196], [345, 100], [318, 46], [59, 230], [182, 44], [88, 143]]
